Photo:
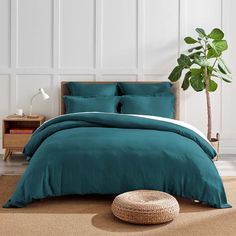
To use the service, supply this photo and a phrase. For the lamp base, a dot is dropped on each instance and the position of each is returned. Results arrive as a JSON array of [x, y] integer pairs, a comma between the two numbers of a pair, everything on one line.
[[32, 116]]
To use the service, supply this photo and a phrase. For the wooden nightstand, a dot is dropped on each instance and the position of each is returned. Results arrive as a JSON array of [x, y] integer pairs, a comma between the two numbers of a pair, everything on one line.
[[16, 142]]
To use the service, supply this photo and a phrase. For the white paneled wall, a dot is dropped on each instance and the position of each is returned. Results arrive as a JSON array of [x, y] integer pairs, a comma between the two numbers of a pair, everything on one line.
[[34, 34], [161, 36], [119, 34], [77, 34], [43, 42], [5, 34]]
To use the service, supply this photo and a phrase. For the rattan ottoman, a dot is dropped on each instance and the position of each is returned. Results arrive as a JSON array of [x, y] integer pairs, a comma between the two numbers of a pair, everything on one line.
[[145, 207]]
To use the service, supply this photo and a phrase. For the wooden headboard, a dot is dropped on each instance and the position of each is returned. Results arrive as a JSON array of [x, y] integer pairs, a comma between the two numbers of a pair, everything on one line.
[[64, 91]]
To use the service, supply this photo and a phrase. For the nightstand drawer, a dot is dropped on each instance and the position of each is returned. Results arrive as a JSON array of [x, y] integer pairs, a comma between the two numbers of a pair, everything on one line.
[[15, 140], [14, 135]]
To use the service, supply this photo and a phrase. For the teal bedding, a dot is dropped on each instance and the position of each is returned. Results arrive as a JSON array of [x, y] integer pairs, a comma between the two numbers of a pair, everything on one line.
[[144, 88], [91, 89], [83, 104], [162, 104], [106, 153]]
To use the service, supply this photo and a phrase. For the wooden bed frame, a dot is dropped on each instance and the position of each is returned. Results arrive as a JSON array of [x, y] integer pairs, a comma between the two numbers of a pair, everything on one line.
[[64, 91]]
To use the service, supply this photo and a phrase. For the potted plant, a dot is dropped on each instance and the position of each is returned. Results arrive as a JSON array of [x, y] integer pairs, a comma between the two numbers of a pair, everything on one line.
[[203, 66]]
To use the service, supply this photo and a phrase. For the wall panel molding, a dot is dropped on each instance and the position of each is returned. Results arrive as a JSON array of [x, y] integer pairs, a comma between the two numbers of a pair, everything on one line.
[[98, 38], [140, 37], [77, 41], [5, 98], [119, 34], [5, 34], [34, 33]]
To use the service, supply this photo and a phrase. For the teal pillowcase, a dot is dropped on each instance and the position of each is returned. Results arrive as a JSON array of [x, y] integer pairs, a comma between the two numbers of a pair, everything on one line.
[[162, 105], [91, 89], [144, 88], [82, 104]]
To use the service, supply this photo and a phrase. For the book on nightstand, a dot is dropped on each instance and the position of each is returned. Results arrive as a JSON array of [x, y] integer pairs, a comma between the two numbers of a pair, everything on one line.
[[21, 131]]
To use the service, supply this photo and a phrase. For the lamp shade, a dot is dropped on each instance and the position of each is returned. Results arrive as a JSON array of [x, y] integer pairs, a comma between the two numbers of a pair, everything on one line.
[[44, 95]]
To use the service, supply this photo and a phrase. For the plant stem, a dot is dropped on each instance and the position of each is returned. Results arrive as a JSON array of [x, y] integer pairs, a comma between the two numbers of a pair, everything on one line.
[[209, 119], [206, 77], [214, 63]]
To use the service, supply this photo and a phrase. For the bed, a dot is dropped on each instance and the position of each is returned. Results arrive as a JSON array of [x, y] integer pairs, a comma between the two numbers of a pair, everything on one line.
[[106, 152]]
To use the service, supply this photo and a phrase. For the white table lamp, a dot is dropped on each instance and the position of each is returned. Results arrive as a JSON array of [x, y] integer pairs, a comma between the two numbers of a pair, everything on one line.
[[44, 95]]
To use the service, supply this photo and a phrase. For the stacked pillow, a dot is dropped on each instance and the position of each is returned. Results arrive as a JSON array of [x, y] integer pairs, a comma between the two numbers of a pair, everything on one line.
[[148, 99], [144, 88], [92, 90], [126, 98], [82, 104], [87, 97]]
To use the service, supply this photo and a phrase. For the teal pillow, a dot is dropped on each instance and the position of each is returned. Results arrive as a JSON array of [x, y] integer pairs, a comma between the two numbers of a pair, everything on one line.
[[162, 105], [144, 88], [82, 104], [91, 89]]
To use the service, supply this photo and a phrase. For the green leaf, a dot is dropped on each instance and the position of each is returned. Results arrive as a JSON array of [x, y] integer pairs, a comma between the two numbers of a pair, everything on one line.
[[223, 65], [200, 32], [210, 69], [186, 82], [196, 71], [175, 74], [220, 45], [201, 61], [222, 76], [213, 54], [211, 45], [222, 69], [226, 78], [197, 83], [190, 40], [184, 61], [193, 54], [212, 86], [195, 48], [216, 34]]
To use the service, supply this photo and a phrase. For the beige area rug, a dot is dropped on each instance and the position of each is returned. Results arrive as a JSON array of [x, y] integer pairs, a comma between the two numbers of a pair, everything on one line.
[[91, 215]]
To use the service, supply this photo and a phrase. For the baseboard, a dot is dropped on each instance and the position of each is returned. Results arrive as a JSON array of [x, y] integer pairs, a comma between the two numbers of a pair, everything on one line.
[[228, 146], [228, 150]]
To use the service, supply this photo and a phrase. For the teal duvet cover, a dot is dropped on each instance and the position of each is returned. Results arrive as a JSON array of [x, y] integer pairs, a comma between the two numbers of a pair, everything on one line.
[[106, 153]]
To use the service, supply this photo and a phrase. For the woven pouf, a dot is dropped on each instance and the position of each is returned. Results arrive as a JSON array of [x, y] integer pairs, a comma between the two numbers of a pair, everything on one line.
[[145, 207]]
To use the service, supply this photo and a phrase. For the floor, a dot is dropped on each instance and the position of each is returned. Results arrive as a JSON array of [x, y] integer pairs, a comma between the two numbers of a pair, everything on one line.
[[226, 165], [91, 215], [16, 165]]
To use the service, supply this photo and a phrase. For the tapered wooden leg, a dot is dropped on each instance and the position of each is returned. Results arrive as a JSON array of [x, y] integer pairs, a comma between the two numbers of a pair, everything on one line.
[[9, 155], [6, 154]]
